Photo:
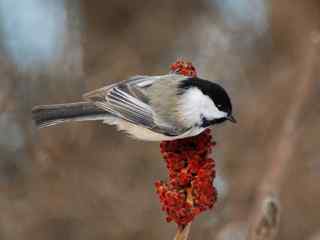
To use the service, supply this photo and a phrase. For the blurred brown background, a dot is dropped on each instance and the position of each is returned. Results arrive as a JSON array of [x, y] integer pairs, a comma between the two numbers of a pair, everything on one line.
[[88, 181]]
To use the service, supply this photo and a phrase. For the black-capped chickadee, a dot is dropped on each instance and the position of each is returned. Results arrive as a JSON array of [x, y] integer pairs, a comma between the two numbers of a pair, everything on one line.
[[151, 108]]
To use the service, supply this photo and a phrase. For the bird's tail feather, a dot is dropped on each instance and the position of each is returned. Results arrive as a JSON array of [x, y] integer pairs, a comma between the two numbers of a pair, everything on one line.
[[48, 115]]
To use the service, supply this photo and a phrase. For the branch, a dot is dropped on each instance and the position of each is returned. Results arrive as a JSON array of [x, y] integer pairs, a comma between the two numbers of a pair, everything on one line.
[[266, 224], [183, 232], [264, 220]]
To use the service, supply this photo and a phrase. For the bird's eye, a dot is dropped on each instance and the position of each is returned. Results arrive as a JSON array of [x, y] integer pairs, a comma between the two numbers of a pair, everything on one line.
[[219, 105]]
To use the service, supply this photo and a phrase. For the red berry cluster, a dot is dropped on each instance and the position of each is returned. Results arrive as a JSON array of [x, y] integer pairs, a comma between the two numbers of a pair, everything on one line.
[[184, 68], [189, 189]]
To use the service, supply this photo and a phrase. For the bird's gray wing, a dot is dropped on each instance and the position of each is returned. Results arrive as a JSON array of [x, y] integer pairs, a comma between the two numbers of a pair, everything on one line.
[[128, 100]]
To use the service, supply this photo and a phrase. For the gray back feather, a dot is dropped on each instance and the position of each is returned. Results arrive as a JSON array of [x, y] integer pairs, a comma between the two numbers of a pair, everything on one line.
[[149, 101]]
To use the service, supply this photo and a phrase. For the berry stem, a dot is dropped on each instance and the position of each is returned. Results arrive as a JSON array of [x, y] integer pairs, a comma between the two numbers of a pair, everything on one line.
[[183, 232]]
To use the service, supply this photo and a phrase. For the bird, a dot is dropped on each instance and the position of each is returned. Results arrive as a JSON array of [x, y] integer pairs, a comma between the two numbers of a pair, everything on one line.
[[150, 108]]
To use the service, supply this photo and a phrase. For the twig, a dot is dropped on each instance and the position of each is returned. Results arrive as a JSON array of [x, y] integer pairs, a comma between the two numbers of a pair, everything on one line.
[[183, 232], [265, 218]]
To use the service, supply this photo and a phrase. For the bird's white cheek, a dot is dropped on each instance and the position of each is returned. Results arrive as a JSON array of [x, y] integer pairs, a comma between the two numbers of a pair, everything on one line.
[[214, 113], [194, 105], [188, 108]]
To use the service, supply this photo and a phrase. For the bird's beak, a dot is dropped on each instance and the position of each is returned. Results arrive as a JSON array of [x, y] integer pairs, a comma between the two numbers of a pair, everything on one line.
[[232, 119]]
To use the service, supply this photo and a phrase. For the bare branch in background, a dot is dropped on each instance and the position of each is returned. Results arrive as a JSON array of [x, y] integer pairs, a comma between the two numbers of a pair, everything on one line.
[[267, 224], [265, 217], [315, 236]]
